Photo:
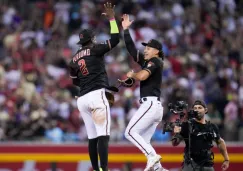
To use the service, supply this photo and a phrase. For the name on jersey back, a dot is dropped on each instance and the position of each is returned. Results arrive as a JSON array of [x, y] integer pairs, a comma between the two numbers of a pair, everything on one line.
[[82, 53]]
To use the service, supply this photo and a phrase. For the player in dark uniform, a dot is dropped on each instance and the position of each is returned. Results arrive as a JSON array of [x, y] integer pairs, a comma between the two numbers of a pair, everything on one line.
[[144, 122], [87, 69]]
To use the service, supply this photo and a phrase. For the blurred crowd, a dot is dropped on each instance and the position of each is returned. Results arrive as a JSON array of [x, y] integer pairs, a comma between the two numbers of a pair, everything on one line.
[[202, 42]]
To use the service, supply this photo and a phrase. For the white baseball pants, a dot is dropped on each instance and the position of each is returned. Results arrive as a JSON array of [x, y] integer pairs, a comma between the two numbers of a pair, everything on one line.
[[95, 111], [143, 124]]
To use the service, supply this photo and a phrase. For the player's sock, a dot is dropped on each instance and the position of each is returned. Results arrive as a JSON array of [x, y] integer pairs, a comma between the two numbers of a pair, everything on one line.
[[103, 151], [93, 153]]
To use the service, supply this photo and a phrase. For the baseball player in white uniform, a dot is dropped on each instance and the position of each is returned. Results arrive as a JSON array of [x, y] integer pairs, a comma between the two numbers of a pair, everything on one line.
[[144, 122]]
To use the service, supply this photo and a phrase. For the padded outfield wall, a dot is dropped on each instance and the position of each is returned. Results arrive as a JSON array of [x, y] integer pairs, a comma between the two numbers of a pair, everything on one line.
[[74, 157]]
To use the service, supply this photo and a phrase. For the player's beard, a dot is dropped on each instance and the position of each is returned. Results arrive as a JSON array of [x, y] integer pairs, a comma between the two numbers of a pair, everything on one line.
[[199, 116]]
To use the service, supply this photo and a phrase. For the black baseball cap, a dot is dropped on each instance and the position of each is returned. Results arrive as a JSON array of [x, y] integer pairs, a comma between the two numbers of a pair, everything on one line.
[[155, 44], [85, 36], [200, 102]]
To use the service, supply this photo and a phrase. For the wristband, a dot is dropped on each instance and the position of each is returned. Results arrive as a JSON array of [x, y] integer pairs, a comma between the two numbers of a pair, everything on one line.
[[226, 160], [112, 19], [113, 26]]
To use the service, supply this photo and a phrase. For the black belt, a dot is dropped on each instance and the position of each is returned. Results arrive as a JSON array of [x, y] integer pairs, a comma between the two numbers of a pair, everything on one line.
[[145, 99]]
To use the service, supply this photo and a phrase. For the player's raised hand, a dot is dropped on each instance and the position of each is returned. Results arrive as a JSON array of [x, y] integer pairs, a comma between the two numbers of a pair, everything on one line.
[[109, 10], [126, 21]]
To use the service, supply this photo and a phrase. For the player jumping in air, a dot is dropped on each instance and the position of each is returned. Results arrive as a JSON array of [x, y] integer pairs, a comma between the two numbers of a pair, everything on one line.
[[87, 69], [144, 122]]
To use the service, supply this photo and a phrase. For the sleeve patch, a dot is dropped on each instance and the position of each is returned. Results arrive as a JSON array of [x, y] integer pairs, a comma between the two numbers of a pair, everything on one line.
[[150, 64]]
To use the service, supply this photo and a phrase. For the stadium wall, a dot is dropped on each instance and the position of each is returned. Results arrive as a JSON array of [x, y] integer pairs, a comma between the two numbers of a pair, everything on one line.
[[74, 157]]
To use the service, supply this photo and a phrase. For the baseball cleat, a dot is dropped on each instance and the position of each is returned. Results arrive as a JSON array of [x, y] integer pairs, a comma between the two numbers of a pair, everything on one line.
[[152, 161]]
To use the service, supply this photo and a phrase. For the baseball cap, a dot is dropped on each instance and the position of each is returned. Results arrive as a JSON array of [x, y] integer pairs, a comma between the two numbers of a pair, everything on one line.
[[199, 102], [155, 44], [85, 36]]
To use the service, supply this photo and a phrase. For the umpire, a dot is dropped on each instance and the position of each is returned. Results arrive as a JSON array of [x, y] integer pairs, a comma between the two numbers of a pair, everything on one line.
[[199, 135]]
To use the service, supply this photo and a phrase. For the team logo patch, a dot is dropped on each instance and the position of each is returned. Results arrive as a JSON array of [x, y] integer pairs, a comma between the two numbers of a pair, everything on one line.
[[150, 64], [81, 36]]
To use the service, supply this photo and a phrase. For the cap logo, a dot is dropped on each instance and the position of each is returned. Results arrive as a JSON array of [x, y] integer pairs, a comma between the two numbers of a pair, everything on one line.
[[81, 36], [150, 41]]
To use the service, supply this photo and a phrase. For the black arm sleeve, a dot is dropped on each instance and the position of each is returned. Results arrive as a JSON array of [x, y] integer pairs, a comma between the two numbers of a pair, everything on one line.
[[101, 49], [137, 56], [75, 81], [73, 75]]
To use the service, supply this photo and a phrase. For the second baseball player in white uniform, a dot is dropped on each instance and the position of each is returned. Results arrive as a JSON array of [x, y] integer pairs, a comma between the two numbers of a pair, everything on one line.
[[144, 122]]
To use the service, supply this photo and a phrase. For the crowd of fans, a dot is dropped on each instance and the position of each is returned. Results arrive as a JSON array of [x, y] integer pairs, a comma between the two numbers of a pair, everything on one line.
[[202, 42]]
